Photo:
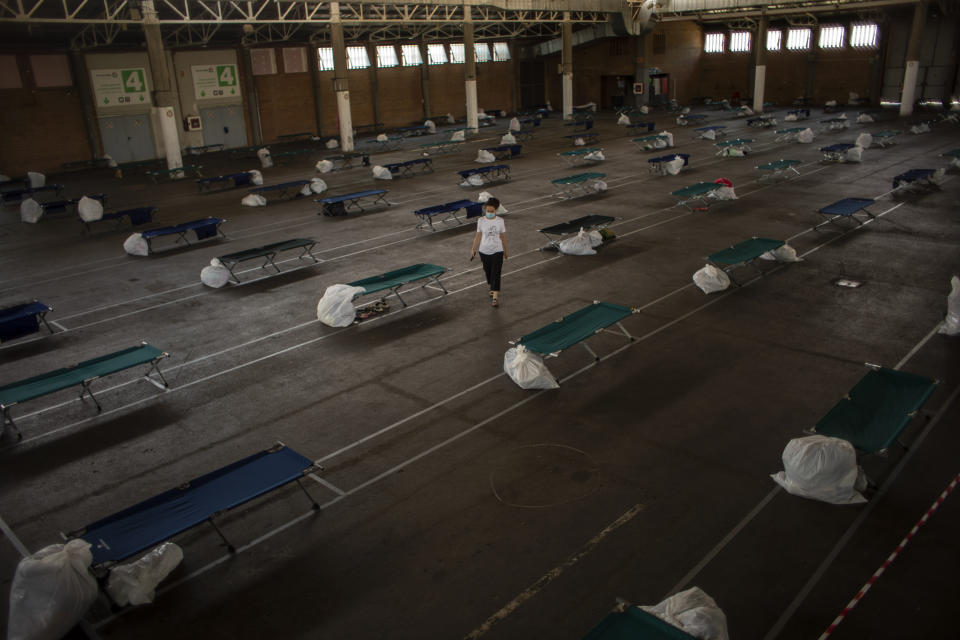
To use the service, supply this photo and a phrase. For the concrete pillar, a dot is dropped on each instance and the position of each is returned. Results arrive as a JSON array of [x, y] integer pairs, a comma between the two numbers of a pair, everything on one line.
[[317, 87], [374, 84], [760, 64], [909, 94], [512, 74], [253, 100], [86, 102], [425, 81], [164, 98], [470, 68], [340, 84], [566, 66]]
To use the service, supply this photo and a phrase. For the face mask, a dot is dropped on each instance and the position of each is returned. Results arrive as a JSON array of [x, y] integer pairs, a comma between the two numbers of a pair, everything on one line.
[[491, 216]]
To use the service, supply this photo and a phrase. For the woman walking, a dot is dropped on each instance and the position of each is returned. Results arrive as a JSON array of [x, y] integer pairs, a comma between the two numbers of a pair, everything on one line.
[[491, 241]]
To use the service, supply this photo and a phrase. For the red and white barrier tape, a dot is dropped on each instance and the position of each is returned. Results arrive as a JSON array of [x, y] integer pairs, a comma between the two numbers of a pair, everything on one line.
[[890, 559]]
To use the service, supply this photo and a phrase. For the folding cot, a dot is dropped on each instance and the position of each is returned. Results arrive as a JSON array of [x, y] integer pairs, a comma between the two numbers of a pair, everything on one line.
[[416, 130], [15, 184], [246, 152], [799, 114], [836, 124], [142, 526], [15, 196], [81, 374], [136, 215], [292, 137], [551, 340], [778, 169], [63, 205], [787, 135], [581, 184], [444, 146], [467, 131], [846, 208], [740, 144], [876, 411], [23, 319], [204, 229], [531, 122], [743, 254], [427, 214], [916, 179], [761, 122], [589, 137], [836, 152], [393, 280], [268, 252], [505, 151], [341, 205], [227, 181], [573, 226], [576, 157], [686, 118], [637, 126], [657, 164], [387, 144], [487, 174], [173, 174], [129, 168], [281, 157], [409, 168], [525, 134], [885, 139], [717, 129], [701, 191], [953, 153], [80, 165], [648, 143], [486, 120], [207, 148], [345, 160], [283, 189], [633, 623]]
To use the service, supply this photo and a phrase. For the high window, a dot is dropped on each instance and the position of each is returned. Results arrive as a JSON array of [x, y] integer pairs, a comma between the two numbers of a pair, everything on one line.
[[713, 43]]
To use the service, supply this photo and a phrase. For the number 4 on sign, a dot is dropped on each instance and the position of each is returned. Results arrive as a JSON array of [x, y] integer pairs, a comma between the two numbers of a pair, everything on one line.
[[132, 81], [225, 76]]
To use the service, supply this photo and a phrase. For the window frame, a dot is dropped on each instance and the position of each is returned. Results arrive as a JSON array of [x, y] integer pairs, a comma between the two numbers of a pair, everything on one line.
[[713, 37], [352, 63], [807, 45]]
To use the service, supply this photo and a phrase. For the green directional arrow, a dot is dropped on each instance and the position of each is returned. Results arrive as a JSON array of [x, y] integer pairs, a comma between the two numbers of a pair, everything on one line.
[[232, 91], [106, 101], [203, 93], [141, 98]]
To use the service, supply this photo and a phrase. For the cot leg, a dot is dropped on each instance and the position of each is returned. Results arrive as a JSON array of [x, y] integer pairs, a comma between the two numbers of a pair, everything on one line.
[[437, 280], [596, 358], [313, 503], [307, 252], [226, 542], [86, 391], [396, 291], [625, 332], [272, 263], [233, 276], [43, 318], [155, 366], [8, 420]]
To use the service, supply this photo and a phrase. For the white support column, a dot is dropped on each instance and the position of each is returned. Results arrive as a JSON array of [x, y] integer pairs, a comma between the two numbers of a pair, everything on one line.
[[470, 68], [341, 86], [164, 99], [909, 94], [760, 65], [566, 66]]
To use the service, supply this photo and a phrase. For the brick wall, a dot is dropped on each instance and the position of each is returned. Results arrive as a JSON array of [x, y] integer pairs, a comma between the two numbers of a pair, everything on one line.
[[42, 127], [286, 103], [401, 100]]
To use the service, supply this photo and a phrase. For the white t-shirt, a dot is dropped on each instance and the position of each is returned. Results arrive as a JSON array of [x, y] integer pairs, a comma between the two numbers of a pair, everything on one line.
[[490, 231]]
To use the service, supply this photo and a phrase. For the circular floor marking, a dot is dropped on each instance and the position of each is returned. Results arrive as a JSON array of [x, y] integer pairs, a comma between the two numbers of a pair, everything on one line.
[[539, 476]]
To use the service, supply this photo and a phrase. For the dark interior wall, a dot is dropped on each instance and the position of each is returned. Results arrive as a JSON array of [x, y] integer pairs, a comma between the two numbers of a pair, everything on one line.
[[42, 127], [286, 102], [680, 56]]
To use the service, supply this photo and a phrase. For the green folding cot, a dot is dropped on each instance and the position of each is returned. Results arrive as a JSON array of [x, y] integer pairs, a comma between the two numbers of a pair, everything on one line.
[[633, 623], [742, 254], [391, 281]]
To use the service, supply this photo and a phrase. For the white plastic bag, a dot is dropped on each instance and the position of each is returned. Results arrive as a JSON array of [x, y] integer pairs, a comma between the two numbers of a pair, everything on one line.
[[805, 136], [265, 160], [644, 109], [382, 173], [596, 238], [579, 142], [30, 211], [256, 177], [382, 137], [854, 155], [324, 166], [724, 193], [253, 200], [317, 186], [332, 143], [733, 152], [51, 591], [864, 118], [790, 117], [669, 137], [681, 121], [527, 369], [695, 612], [305, 190], [135, 583], [36, 179], [864, 140], [578, 245], [659, 143], [458, 136], [595, 156], [484, 156], [745, 111], [89, 209], [939, 176], [135, 245], [215, 275], [709, 134], [951, 324], [515, 124], [472, 180], [451, 119], [623, 119], [335, 308], [508, 138], [710, 279], [673, 167], [822, 468], [598, 185], [110, 161], [4, 178], [783, 253], [830, 103], [430, 125]]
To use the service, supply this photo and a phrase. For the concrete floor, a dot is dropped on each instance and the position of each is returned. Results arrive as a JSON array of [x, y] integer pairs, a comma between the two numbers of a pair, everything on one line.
[[458, 504]]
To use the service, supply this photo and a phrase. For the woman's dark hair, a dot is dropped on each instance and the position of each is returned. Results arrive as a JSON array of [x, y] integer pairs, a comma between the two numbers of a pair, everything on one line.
[[493, 202]]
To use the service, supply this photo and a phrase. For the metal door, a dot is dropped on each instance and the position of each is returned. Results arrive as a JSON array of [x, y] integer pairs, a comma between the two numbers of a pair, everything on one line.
[[127, 138], [224, 125]]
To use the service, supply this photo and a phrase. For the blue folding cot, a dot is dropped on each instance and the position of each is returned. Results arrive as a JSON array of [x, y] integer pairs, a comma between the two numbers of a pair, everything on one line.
[[410, 167], [846, 208], [836, 152], [637, 126], [416, 130], [203, 229], [23, 319], [283, 190], [717, 129], [51, 206], [386, 144], [228, 181], [588, 137], [799, 114], [686, 118], [17, 194], [916, 179], [427, 214], [157, 519], [580, 125], [488, 174], [341, 205], [268, 252], [505, 151], [137, 216], [81, 374]]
